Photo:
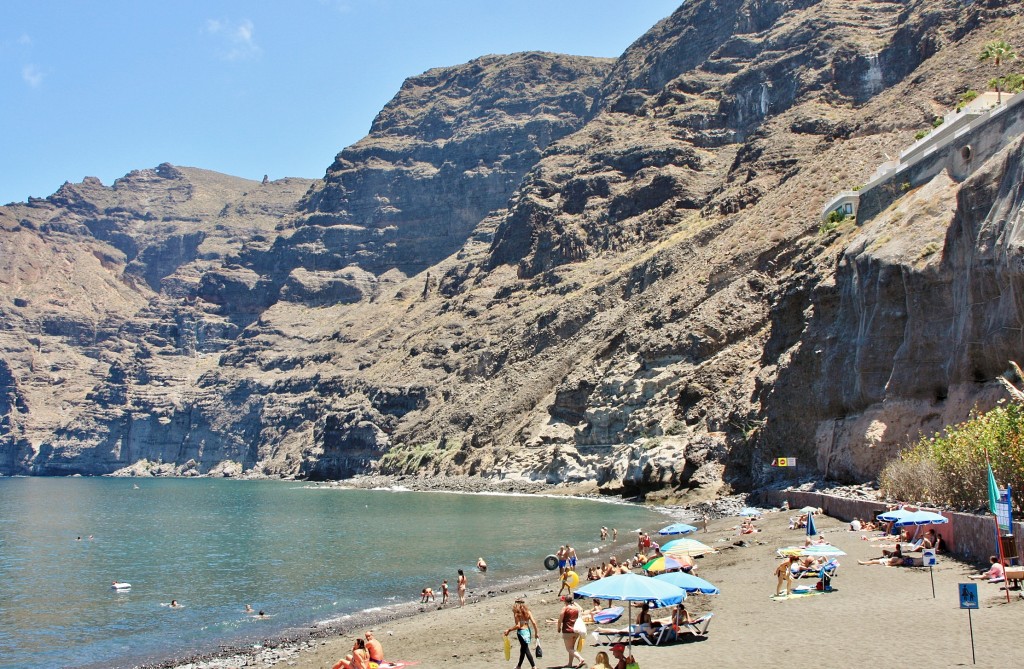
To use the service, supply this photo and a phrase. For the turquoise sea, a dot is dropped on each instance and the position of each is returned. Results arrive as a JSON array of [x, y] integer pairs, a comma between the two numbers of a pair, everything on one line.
[[303, 553]]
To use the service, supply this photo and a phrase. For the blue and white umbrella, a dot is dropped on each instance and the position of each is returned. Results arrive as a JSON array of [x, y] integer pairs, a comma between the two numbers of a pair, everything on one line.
[[921, 518], [633, 588], [677, 528], [688, 582], [894, 516], [750, 511]]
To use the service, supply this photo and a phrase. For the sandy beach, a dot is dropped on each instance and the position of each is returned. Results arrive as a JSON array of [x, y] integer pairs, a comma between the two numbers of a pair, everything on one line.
[[877, 616]]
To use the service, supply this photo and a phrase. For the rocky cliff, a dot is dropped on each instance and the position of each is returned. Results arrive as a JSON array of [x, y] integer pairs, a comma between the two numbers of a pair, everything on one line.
[[552, 267]]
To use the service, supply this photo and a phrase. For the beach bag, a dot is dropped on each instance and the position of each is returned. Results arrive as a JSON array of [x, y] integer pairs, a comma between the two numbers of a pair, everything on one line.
[[633, 665], [579, 627], [538, 651]]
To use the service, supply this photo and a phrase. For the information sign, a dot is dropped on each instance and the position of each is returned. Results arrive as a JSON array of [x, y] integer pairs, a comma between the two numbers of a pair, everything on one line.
[[968, 595]]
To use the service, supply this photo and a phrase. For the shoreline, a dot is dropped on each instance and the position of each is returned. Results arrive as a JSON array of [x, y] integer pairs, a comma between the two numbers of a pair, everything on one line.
[[287, 645], [284, 646], [750, 627]]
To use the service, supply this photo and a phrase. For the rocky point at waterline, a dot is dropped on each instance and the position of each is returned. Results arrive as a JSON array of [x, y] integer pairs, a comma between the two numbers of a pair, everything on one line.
[[550, 267]]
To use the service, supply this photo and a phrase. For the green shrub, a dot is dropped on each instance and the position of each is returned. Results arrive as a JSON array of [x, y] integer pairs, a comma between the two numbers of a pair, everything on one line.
[[921, 134], [950, 468], [967, 97], [937, 121]]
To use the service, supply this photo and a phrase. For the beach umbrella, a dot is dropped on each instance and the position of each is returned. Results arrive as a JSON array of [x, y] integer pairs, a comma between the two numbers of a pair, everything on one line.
[[821, 550], [688, 547], [677, 528], [633, 588], [918, 518], [663, 563], [689, 582], [921, 518], [809, 509], [750, 511], [894, 515], [811, 529]]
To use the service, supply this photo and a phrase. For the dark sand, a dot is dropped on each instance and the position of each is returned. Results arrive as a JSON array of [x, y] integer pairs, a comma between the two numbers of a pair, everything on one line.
[[877, 617]]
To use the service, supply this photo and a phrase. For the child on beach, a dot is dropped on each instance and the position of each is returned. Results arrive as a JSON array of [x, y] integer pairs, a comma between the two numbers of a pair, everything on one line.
[[444, 592], [784, 573]]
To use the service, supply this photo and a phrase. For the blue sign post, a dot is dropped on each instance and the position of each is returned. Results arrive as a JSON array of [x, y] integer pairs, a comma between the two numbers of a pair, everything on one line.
[[969, 600]]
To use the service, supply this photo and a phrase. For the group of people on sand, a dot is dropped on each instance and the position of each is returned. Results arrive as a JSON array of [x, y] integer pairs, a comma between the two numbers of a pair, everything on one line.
[[367, 653], [527, 631], [896, 554]]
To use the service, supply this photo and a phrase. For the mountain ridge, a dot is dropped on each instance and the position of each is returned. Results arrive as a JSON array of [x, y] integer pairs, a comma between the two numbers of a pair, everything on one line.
[[636, 305]]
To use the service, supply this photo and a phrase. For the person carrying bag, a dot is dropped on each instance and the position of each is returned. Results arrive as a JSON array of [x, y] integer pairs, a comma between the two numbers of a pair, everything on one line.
[[567, 621]]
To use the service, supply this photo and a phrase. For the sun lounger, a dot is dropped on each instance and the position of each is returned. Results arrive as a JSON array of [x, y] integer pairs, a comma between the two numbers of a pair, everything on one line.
[[698, 628], [636, 633]]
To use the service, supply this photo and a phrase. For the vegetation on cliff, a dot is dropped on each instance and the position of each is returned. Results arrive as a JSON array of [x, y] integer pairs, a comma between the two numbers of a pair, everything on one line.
[[950, 468]]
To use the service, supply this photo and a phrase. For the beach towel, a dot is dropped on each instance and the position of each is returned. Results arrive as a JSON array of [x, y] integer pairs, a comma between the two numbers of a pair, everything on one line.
[[609, 615], [803, 593]]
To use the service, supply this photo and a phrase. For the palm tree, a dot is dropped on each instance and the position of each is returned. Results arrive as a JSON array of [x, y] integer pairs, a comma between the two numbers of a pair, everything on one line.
[[998, 51]]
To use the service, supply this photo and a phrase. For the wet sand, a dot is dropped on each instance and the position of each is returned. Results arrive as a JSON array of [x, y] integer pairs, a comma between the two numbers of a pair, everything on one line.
[[877, 616]]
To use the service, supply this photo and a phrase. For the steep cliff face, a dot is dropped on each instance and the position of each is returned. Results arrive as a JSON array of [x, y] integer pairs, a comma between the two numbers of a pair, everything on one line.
[[578, 270]]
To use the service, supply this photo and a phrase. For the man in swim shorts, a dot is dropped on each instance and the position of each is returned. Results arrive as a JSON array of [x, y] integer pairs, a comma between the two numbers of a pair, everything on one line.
[[374, 648], [563, 557]]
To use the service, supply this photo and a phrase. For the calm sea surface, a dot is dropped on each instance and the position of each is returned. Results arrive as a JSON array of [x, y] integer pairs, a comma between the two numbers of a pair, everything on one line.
[[302, 553]]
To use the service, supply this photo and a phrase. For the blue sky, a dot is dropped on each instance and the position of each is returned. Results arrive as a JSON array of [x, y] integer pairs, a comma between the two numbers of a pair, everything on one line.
[[102, 87]]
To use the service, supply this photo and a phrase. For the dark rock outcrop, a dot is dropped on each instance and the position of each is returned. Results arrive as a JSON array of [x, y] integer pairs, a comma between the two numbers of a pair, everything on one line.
[[545, 267]]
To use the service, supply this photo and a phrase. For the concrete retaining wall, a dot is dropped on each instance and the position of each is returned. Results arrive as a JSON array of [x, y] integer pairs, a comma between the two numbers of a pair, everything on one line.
[[968, 536]]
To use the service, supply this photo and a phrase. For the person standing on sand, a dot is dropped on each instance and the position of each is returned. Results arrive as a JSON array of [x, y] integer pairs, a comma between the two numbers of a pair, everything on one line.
[[444, 592], [523, 620], [461, 587], [566, 624], [784, 572]]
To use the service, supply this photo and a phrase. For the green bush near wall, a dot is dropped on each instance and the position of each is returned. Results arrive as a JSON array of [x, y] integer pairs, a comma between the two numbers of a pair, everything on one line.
[[949, 469]]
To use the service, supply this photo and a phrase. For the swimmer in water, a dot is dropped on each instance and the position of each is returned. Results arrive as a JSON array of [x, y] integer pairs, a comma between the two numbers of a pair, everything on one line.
[[248, 609], [175, 605], [481, 565]]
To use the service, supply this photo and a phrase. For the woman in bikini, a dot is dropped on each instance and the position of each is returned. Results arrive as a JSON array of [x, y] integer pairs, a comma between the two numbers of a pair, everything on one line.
[[523, 621], [359, 658], [462, 588]]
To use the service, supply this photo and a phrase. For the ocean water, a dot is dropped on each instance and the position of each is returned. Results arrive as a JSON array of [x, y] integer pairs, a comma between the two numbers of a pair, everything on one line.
[[303, 553]]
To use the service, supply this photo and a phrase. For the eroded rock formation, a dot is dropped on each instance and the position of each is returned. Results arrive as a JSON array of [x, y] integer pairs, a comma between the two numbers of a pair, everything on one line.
[[543, 266]]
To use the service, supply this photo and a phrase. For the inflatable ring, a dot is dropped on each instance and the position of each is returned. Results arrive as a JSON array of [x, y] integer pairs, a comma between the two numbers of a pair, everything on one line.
[[572, 579], [551, 563]]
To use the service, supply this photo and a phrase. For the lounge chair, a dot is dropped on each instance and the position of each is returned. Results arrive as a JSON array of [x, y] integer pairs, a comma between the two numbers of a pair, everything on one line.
[[698, 628], [636, 633]]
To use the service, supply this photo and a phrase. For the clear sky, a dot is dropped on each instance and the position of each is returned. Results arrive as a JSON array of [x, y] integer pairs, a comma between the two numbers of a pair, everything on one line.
[[103, 87]]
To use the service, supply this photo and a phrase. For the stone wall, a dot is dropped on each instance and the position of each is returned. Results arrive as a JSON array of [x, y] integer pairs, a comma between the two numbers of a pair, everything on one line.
[[960, 155], [969, 536]]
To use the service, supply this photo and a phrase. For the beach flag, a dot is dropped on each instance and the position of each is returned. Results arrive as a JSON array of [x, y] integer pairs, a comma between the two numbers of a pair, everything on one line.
[[993, 491]]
